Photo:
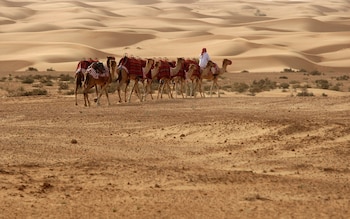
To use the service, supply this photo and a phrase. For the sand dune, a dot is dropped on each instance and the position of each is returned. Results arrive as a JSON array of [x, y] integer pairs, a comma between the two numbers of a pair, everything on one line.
[[299, 34]]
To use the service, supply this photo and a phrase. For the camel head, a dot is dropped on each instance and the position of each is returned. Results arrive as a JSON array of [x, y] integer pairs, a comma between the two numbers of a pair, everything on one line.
[[180, 60], [192, 67], [149, 62], [226, 62]]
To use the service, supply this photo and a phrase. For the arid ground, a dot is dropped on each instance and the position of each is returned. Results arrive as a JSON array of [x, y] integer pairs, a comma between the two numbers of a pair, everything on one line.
[[272, 155], [277, 152]]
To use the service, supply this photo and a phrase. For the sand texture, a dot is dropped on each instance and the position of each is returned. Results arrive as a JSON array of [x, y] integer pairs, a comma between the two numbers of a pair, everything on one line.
[[263, 154]]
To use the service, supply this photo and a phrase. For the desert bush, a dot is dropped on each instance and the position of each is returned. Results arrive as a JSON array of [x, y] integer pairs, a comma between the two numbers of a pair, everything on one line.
[[66, 77], [262, 85], [22, 92], [63, 86], [295, 86], [288, 70], [283, 77], [46, 81], [315, 72], [294, 82], [284, 85], [28, 80], [323, 84], [342, 78], [259, 13], [240, 87], [244, 71], [50, 69], [304, 93], [31, 69], [3, 79], [336, 87]]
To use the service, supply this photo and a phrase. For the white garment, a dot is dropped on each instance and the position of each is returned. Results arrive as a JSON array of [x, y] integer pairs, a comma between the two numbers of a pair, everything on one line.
[[203, 60]]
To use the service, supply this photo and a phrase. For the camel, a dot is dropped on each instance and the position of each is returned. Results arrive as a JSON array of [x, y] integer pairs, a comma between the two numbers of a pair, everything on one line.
[[80, 76], [207, 74], [104, 78], [148, 79], [192, 79], [177, 75], [164, 76], [130, 68]]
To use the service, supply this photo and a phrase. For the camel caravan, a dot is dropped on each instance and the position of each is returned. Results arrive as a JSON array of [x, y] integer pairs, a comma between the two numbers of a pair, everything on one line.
[[183, 77]]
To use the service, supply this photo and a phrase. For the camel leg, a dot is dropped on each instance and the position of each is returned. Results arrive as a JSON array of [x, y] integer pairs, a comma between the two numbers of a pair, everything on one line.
[[96, 90], [191, 89], [159, 89], [150, 89], [195, 87], [162, 89], [182, 88], [169, 90], [76, 94], [106, 91], [77, 85], [200, 88], [118, 89], [218, 88], [103, 89], [86, 97], [137, 90], [140, 94], [125, 91], [132, 90]]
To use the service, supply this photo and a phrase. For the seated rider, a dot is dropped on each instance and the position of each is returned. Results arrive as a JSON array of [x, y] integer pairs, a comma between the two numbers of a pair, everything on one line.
[[204, 58]]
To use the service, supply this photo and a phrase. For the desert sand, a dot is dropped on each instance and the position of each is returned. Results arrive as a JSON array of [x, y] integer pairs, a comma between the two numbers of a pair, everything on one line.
[[269, 155], [256, 35]]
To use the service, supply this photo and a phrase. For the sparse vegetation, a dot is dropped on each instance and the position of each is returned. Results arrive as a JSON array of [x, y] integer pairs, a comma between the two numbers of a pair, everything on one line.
[[304, 93], [315, 72], [284, 85], [28, 80], [22, 92], [259, 13], [343, 78], [288, 70], [63, 86], [323, 84], [31, 69], [262, 85], [66, 77]]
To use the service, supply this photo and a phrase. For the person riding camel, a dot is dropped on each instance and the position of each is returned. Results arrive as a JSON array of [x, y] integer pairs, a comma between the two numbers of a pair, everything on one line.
[[204, 58]]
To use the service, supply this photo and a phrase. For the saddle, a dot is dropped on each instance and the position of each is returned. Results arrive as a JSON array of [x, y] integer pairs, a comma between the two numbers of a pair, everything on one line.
[[164, 70], [132, 65]]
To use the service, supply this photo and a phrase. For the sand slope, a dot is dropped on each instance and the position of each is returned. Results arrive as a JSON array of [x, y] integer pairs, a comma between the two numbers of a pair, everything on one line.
[[256, 35]]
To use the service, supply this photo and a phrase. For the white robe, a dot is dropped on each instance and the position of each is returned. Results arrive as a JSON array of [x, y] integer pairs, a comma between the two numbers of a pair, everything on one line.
[[203, 60]]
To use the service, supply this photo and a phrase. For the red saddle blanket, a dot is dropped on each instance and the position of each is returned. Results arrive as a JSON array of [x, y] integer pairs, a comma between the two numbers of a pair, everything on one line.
[[133, 65], [187, 65], [164, 70]]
